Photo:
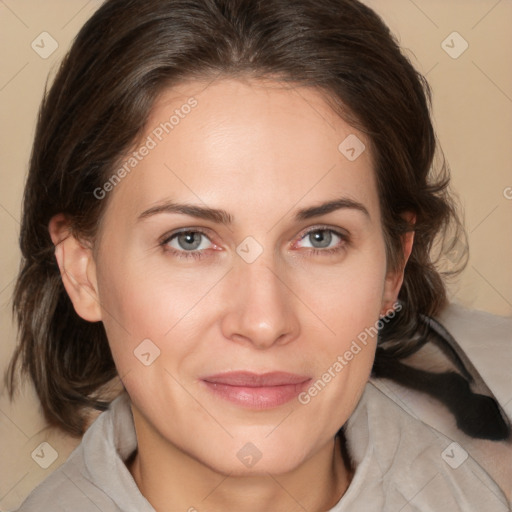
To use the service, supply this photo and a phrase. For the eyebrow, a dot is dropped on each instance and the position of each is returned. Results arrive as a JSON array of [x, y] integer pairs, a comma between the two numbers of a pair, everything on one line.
[[220, 216]]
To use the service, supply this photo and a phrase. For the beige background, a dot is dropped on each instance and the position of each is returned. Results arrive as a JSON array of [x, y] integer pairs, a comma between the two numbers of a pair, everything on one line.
[[473, 119]]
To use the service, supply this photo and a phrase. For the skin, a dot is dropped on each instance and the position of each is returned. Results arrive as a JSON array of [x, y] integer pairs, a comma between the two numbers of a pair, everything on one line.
[[260, 151]]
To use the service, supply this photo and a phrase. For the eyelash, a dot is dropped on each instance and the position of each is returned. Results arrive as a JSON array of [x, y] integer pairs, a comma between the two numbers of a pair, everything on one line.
[[197, 255], [183, 254]]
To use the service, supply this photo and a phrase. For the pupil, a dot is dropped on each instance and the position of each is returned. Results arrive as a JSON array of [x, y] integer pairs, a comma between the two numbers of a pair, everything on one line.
[[188, 238], [319, 236]]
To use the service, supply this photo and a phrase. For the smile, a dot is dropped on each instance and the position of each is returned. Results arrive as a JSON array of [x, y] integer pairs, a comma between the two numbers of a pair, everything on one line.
[[257, 391]]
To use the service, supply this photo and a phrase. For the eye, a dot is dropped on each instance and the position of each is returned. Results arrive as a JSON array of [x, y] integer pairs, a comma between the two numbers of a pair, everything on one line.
[[192, 243], [325, 240], [189, 243]]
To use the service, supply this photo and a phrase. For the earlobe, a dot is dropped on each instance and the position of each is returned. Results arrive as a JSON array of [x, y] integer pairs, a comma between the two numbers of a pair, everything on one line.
[[77, 269], [395, 279]]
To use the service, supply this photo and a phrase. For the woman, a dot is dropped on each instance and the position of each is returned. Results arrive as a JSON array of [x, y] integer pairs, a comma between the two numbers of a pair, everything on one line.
[[231, 206]]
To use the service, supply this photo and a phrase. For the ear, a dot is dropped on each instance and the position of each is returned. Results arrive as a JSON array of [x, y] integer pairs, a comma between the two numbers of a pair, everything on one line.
[[395, 279], [77, 268]]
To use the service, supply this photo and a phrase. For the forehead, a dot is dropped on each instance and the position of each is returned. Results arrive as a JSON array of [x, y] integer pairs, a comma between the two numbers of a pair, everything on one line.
[[251, 146]]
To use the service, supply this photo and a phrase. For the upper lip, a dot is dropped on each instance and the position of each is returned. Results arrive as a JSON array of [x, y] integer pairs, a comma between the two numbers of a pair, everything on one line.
[[254, 380]]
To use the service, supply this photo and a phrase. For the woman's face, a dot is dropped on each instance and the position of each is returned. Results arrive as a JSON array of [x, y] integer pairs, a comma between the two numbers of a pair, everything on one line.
[[263, 278]]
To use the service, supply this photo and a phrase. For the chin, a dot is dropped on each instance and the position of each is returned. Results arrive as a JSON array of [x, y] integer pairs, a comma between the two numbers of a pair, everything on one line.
[[261, 468], [244, 458]]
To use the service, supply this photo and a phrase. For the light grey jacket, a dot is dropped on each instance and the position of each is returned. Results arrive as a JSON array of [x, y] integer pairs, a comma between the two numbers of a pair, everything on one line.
[[407, 457], [401, 465]]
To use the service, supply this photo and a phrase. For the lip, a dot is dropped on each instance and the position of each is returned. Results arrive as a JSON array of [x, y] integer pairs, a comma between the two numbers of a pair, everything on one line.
[[256, 391]]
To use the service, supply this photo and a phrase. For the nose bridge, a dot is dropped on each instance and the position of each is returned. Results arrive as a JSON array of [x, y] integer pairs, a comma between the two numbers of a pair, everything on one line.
[[262, 309]]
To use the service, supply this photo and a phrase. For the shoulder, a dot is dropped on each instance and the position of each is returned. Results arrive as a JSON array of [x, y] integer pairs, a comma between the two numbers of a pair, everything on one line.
[[94, 476], [69, 486], [487, 341], [484, 342], [403, 463], [66, 489]]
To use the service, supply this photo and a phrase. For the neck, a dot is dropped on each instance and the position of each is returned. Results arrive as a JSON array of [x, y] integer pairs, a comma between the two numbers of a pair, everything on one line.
[[188, 485]]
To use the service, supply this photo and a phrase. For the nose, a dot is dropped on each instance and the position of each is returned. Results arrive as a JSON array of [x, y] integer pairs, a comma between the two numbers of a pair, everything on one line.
[[261, 307]]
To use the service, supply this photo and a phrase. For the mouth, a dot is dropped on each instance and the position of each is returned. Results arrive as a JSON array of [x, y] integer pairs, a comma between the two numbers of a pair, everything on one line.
[[256, 391]]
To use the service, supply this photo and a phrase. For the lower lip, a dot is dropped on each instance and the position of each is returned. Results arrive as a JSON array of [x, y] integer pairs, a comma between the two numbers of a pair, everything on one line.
[[257, 398]]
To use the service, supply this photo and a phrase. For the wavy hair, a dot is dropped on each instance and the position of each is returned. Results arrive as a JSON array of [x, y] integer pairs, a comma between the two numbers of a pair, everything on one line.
[[130, 51]]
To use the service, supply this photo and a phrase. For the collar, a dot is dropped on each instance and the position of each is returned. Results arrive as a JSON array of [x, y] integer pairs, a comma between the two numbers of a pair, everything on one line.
[[398, 460]]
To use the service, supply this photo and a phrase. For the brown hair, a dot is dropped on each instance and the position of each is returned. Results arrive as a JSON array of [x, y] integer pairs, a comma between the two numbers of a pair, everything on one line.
[[98, 104]]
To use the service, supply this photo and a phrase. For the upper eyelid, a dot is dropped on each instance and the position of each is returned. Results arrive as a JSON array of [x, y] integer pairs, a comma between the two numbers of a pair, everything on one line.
[[165, 238], [320, 227]]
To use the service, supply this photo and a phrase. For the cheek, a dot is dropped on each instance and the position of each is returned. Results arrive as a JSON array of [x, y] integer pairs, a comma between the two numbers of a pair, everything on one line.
[[344, 356], [348, 301], [348, 296], [146, 295], [155, 309], [135, 308]]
